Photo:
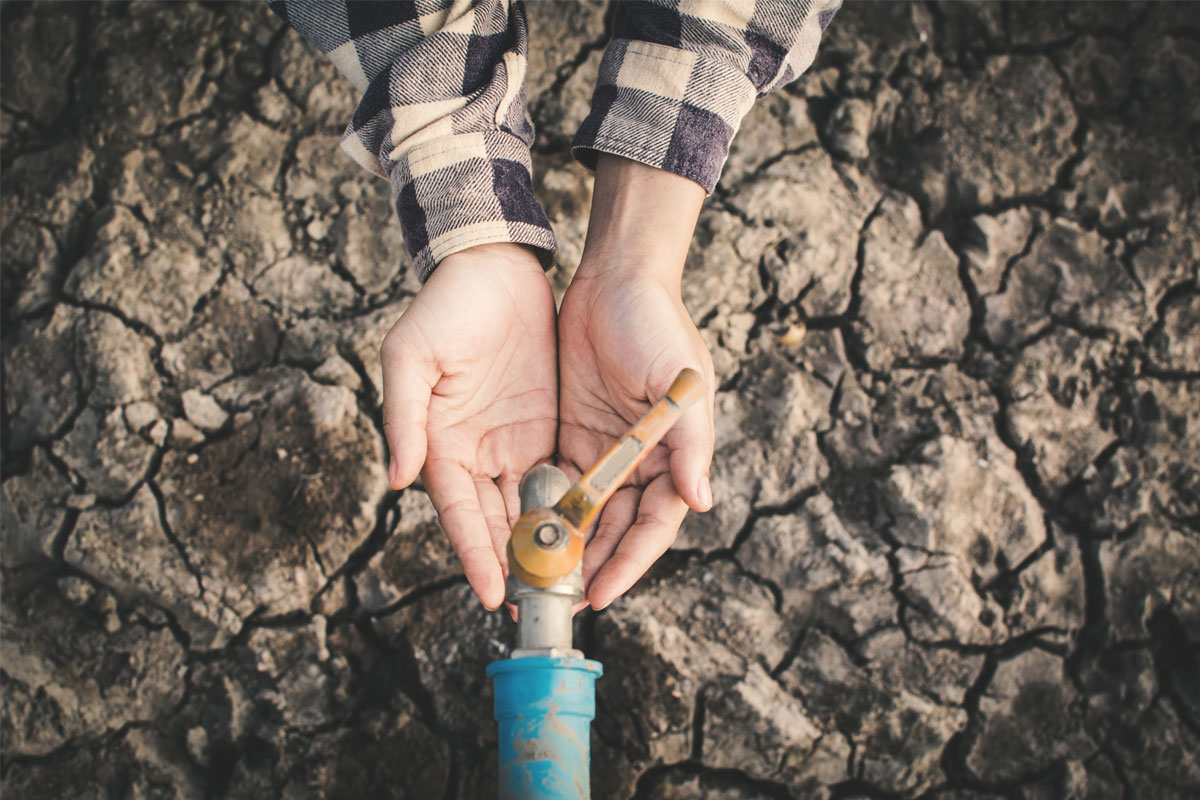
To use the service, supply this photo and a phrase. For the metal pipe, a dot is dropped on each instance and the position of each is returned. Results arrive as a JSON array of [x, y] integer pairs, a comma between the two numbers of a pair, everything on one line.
[[545, 694], [544, 614]]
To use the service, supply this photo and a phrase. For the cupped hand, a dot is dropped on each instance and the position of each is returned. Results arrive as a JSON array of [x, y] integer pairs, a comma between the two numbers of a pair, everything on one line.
[[624, 335], [470, 400]]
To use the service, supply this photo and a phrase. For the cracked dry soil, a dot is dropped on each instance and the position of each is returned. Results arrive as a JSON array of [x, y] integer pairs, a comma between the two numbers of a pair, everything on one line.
[[950, 281]]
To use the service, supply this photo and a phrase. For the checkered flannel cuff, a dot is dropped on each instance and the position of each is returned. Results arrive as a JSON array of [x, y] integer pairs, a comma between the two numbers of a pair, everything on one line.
[[468, 189], [666, 107]]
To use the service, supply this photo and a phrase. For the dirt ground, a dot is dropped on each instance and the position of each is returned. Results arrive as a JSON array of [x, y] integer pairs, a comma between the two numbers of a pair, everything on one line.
[[950, 280]]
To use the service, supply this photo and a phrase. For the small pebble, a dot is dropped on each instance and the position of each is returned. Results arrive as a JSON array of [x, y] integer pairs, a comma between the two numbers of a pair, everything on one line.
[[793, 335]]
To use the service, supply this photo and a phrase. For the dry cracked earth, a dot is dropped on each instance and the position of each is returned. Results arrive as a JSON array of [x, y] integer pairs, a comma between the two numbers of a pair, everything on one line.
[[950, 280]]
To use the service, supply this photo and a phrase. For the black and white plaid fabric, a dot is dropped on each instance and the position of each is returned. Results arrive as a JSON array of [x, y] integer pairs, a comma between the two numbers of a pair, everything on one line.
[[678, 77], [443, 114]]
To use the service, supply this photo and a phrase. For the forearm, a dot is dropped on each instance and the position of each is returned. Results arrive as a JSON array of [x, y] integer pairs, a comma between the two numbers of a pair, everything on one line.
[[641, 223], [677, 78], [442, 116]]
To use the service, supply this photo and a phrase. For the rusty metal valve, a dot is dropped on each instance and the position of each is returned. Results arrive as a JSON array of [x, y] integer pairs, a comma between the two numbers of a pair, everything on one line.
[[547, 543]]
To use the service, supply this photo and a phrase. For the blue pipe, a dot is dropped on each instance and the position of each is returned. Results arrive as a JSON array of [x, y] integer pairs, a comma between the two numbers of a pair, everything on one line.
[[545, 708]]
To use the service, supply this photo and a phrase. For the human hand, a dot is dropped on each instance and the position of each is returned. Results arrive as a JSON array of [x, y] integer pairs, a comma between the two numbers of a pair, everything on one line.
[[624, 334], [470, 400]]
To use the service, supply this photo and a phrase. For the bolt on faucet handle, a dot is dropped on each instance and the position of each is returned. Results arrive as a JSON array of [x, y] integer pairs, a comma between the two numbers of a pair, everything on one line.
[[540, 565]]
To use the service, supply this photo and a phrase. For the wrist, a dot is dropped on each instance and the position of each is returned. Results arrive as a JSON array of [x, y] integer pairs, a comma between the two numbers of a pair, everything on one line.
[[506, 256], [641, 222]]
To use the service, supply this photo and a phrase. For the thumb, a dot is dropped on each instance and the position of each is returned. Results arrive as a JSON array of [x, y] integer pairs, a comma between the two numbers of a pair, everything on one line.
[[407, 388], [690, 442]]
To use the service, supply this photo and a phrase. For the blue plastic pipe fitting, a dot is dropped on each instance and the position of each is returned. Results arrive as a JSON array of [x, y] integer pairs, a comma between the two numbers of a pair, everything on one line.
[[544, 707]]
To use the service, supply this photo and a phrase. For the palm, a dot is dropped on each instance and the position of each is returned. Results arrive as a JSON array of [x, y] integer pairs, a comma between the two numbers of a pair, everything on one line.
[[621, 346], [493, 410], [610, 345], [470, 393]]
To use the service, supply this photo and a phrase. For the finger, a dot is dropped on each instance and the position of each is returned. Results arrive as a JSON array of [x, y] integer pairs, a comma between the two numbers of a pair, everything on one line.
[[618, 515], [454, 496], [406, 391], [494, 514], [511, 492], [690, 441], [579, 447], [659, 515], [568, 467]]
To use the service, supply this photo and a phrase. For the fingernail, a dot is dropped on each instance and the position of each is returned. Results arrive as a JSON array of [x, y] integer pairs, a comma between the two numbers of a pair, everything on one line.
[[393, 470], [704, 491]]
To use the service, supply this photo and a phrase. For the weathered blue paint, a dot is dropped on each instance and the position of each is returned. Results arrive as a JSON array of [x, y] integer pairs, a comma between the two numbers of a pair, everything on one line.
[[545, 708]]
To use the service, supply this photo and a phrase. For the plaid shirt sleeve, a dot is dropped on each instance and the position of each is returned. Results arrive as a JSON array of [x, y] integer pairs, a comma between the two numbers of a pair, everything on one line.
[[679, 75], [442, 116]]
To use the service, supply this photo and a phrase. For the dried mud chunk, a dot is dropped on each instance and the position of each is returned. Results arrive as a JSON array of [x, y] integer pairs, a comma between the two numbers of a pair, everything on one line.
[[156, 284], [824, 570], [33, 509], [41, 42], [775, 124], [127, 549], [913, 306], [1159, 568], [873, 44], [42, 388], [993, 242], [1048, 595], [717, 276], [754, 725], [821, 208], [417, 553], [667, 638], [265, 532], [940, 674], [1096, 68], [361, 760], [1030, 719], [102, 450], [898, 733], [452, 638], [876, 425], [945, 605], [318, 170], [118, 371], [1068, 275], [51, 185], [236, 335], [960, 155], [134, 764], [298, 286], [1176, 347], [967, 500], [1156, 477], [368, 243], [766, 449], [312, 81], [1057, 390], [32, 268], [1164, 764], [848, 128], [73, 672]]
